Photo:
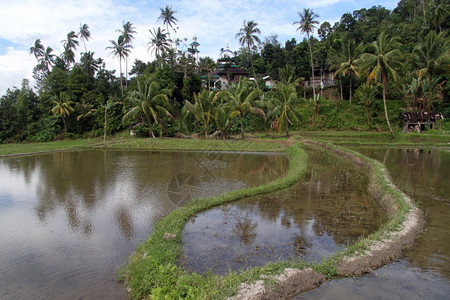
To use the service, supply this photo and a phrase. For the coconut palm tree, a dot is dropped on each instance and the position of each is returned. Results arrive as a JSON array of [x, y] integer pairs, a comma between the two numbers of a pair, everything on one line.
[[241, 100], [159, 44], [70, 45], [439, 12], [248, 36], [89, 64], [168, 18], [47, 59], [366, 94], [84, 34], [381, 61], [306, 25], [128, 37], [149, 101], [119, 49], [350, 61], [282, 106], [203, 108], [433, 57], [37, 49], [62, 106]]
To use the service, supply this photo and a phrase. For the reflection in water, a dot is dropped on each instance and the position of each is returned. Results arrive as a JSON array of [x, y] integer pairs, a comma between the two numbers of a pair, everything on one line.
[[310, 220], [424, 273], [69, 219]]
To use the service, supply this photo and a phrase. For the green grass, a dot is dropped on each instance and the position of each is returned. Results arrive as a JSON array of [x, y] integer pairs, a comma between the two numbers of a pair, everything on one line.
[[142, 143]]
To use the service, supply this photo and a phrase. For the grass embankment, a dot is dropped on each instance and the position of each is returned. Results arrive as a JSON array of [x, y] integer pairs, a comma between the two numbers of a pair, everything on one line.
[[152, 270], [428, 139], [141, 143]]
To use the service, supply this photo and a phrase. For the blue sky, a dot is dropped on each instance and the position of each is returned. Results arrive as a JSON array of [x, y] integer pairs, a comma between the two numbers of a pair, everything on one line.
[[214, 22]]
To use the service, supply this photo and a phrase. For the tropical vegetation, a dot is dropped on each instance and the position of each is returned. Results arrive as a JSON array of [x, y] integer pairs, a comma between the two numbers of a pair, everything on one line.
[[405, 52]]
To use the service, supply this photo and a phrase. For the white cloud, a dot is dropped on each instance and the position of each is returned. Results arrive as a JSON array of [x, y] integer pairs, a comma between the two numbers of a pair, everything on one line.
[[14, 66]]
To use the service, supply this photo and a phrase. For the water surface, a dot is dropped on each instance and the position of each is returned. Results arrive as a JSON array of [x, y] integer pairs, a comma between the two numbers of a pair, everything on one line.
[[68, 220], [424, 270], [313, 219]]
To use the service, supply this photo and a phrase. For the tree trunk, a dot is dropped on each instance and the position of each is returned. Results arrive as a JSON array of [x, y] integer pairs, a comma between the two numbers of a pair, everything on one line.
[[253, 67], [150, 129], [126, 72], [120, 75], [65, 125], [104, 127], [383, 77], [350, 87], [242, 128], [312, 66]]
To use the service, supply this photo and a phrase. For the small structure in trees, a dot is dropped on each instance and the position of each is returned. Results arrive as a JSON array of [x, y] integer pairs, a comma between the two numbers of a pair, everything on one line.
[[419, 121]]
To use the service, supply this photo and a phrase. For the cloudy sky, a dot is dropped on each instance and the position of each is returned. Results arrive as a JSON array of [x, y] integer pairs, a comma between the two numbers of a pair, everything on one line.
[[214, 22]]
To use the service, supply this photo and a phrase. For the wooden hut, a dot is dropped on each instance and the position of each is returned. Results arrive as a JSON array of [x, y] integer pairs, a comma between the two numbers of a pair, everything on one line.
[[419, 121]]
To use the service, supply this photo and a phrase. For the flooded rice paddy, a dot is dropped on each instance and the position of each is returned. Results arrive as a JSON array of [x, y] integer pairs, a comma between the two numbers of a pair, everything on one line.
[[424, 270], [327, 211], [68, 220]]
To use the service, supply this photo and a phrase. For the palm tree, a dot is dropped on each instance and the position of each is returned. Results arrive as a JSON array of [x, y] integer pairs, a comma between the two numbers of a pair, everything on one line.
[[84, 34], [38, 49], [240, 99], [248, 37], [207, 64], [159, 44], [282, 105], [63, 107], [306, 25], [440, 10], [433, 57], [168, 18], [84, 110], [203, 108], [149, 101], [70, 44], [366, 94], [127, 33], [383, 57], [288, 75], [350, 63], [89, 64], [119, 49]]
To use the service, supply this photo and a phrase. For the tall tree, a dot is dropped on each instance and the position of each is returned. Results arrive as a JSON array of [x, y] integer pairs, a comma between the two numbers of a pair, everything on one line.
[[159, 44], [119, 49], [62, 106], [350, 61], [241, 101], [282, 106], [203, 108], [70, 45], [168, 18], [433, 58], [89, 64], [306, 25], [149, 101], [381, 61], [248, 36], [84, 34], [48, 58], [37, 49], [128, 37]]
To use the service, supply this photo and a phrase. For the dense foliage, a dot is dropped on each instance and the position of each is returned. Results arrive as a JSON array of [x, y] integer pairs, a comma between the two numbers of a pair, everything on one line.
[[400, 56]]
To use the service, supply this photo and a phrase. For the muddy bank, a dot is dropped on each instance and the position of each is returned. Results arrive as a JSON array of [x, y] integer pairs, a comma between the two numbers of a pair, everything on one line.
[[380, 248]]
